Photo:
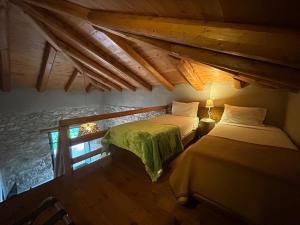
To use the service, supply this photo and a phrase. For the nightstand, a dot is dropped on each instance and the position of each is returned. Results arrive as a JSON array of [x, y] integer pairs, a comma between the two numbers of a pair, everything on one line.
[[205, 125]]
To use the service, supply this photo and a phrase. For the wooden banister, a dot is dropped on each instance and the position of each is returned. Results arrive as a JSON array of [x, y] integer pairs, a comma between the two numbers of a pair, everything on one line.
[[87, 137], [65, 142], [81, 120], [86, 156]]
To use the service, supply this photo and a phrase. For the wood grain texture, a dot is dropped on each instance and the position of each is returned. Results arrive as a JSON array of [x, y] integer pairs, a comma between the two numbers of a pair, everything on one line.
[[123, 44], [5, 73], [71, 79], [46, 67], [116, 190]]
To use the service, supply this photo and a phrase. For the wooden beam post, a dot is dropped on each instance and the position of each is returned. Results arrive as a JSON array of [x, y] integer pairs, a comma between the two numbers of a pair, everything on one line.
[[46, 67], [71, 79], [5, 75], [64, 156], [122, 43], [88, 88]]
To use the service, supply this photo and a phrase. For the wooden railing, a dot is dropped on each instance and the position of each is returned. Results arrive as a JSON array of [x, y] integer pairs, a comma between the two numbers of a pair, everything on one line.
[[64, 142]]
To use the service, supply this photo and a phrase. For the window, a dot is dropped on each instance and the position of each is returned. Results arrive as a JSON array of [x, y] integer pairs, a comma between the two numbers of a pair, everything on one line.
[[76, 150]]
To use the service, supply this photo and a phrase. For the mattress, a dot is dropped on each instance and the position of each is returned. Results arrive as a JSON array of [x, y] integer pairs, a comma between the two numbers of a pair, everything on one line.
[[261, 135], [185, 124]]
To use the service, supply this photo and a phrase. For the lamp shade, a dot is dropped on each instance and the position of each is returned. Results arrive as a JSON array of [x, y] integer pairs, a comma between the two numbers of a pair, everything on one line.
[[209, 103]]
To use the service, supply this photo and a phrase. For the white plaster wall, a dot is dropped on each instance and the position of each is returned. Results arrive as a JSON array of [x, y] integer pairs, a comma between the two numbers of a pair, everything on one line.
[[273, 100], [292, 120]]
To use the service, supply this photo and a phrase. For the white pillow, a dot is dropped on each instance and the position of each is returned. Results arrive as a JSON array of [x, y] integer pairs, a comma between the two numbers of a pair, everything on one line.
[[185, 109], [244, 115]]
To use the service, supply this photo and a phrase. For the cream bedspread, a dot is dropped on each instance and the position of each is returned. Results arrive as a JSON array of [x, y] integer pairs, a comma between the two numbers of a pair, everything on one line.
[[185, 124], [258, 182], [261, 135]]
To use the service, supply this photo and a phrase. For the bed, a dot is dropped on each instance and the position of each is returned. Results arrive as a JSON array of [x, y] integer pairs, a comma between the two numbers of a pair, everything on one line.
[[154, 141], [251, 171]]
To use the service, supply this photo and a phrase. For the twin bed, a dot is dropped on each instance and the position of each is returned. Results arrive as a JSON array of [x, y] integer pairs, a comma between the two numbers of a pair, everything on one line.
[[242, 165]]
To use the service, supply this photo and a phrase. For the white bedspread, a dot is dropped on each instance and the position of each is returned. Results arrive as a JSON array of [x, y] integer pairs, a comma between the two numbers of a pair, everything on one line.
[[185, 124], [262, 135]]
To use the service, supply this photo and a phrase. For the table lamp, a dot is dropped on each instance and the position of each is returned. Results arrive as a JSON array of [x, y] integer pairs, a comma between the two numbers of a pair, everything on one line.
[[209, 104]]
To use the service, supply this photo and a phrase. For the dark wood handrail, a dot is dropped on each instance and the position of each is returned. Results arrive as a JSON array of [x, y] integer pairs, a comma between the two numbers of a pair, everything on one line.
[[87, 119]]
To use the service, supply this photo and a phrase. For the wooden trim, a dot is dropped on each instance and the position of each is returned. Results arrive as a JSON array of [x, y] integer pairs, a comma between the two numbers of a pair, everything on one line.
[[63, 29], [86, 156], [64, 148], [88, 137], [122, 43], [5, 73], [81, 120], [262, 71], [46, 67], [100, 78], [71, 79], [88, 88]]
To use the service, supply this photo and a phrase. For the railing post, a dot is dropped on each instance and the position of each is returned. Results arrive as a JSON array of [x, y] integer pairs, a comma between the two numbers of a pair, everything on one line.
[[64, 150]]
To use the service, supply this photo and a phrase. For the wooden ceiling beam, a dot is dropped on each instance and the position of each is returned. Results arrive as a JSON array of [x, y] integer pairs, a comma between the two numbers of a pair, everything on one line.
[[46, 67], [268, 72], [71, 80], [5, 74], [279, 46], [94, 65], [65, 30], [101, 79], [131, 52]]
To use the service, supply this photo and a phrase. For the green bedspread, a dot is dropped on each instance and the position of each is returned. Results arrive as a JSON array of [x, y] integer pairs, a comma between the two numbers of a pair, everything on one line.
[[152, 142]]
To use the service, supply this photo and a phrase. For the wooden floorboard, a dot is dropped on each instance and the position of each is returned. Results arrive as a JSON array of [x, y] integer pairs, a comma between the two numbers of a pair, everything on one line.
[[116, 191]]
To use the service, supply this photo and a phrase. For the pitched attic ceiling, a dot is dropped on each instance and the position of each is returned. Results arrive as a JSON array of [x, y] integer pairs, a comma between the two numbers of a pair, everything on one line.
[[110, 51]]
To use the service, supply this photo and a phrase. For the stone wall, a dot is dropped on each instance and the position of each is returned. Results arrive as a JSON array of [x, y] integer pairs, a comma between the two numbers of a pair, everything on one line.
[[116, 121], [25, 151]]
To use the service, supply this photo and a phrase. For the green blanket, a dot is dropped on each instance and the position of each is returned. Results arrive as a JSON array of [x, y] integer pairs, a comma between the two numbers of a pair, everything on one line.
[[152, 142]]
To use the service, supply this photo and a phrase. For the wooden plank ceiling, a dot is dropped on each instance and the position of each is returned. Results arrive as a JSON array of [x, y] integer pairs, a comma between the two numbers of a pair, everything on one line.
[[124, 45]]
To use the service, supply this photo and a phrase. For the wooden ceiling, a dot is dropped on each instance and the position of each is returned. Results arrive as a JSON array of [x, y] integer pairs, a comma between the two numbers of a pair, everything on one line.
[[127, 44]]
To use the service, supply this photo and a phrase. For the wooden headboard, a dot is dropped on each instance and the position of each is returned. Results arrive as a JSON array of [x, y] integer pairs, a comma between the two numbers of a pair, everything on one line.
[[216, 112]]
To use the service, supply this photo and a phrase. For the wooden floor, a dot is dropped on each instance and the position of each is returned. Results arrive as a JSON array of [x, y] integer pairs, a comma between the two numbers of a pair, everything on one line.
[[116, 191]]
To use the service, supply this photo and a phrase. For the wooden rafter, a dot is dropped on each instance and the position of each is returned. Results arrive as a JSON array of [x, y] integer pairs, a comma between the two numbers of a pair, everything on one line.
[[46, 67], [94, 65], [5, 75], [277, 46], [123, 44], [191, 77], [267, 72], [100, 85], [71, 79], [65, 30], [101, 79]]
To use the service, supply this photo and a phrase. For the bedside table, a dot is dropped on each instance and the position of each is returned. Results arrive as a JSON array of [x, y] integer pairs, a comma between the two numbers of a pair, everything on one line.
[[205, 125]]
